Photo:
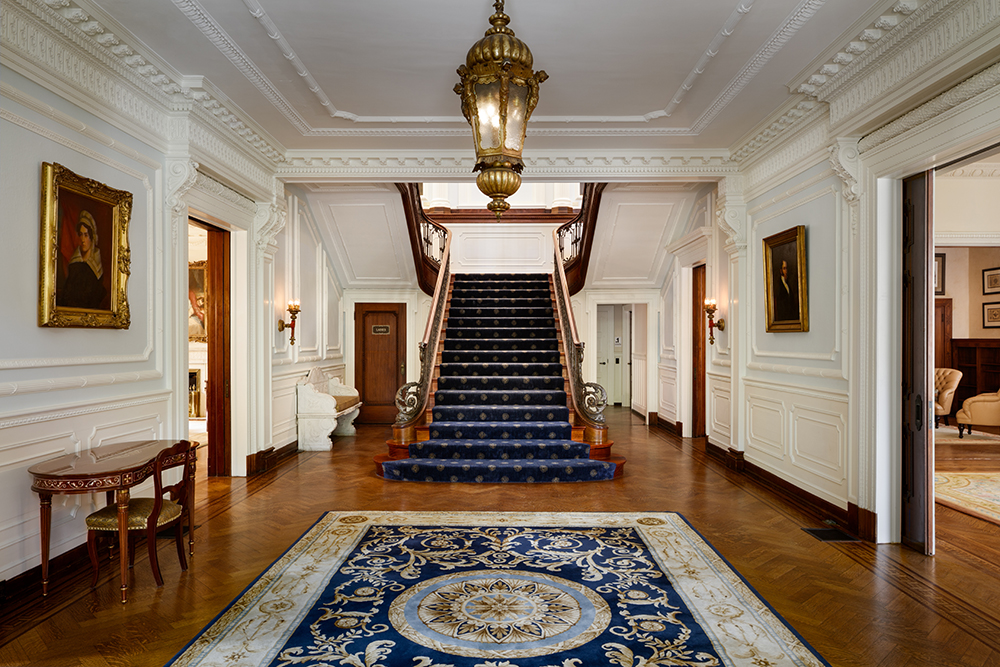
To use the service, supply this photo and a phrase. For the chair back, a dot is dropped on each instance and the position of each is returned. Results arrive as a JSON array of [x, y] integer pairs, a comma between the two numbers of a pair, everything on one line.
[[178, 455], [945, 383]]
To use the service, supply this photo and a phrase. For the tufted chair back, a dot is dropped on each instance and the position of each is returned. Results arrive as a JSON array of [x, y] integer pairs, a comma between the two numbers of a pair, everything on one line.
[[945, 384]]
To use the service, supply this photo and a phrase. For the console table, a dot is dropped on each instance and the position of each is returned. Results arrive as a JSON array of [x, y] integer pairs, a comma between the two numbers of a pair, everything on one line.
[[112, 468]]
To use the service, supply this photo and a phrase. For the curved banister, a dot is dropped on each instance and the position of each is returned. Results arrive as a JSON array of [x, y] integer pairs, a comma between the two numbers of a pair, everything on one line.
[[589, 398], [412, 397], [576, 237]]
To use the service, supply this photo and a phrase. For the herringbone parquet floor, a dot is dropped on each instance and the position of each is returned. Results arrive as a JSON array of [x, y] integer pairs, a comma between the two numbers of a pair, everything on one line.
[[857, 604]]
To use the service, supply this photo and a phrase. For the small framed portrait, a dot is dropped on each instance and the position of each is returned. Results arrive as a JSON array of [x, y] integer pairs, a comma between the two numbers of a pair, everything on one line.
[[786, 295], [991, 281], [197, 302], [85, 261], [991, 315], [939, 273]]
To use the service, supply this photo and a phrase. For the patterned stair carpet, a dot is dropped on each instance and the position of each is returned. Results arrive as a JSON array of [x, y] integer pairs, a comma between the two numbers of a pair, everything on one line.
[[500, 411]]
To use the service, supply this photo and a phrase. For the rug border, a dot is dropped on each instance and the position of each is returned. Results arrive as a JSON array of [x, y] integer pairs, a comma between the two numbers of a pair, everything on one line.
[[639, 528], [240, 595], [777, 614]]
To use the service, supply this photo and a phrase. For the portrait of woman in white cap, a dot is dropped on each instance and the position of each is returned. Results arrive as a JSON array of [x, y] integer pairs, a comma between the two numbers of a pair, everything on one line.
[[83, 287]]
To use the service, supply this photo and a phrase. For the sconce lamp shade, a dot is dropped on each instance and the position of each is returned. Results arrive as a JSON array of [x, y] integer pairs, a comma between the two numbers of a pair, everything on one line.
[[499, 91]]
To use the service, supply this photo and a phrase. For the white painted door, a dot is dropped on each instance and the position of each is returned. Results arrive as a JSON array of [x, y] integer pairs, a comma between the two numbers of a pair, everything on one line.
[[605, 331]]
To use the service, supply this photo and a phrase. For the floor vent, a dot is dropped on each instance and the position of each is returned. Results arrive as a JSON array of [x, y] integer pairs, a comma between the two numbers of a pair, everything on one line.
[[830, 535]]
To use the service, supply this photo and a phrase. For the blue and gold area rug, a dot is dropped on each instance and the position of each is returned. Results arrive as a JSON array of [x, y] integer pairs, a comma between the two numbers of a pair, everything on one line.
[[462, 589]]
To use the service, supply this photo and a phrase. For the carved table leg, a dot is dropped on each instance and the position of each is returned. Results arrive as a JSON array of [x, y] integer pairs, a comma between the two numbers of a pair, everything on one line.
[[123, 551], [46, 518]]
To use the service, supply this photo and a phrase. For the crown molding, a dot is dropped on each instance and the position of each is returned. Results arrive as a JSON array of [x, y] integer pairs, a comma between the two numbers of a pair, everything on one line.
[[457, 166]]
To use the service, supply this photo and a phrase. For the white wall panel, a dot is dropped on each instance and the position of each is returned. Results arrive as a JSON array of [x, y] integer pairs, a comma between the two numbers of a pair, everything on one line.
[[668, 393], [499, 248], [719, 413]]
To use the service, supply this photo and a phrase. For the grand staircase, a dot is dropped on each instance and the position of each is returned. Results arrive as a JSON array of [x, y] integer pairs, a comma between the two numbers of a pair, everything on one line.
[[500, 410]]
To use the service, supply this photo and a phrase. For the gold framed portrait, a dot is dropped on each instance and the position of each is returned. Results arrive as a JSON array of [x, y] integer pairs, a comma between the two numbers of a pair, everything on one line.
[[85, 260], [786, 295]]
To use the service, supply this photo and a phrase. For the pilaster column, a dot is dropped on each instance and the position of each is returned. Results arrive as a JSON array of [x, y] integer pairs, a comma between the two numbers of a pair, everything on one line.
[[731, 217], [181, 175]]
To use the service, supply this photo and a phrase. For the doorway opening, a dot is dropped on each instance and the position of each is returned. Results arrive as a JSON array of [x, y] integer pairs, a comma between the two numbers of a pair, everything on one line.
[[614, 352], [208, 331]]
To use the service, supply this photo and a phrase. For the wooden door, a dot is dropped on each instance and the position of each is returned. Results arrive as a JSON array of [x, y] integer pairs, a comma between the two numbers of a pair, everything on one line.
[[917, 372], [380, 359], [219, 419], [942, 333], [698, 352]]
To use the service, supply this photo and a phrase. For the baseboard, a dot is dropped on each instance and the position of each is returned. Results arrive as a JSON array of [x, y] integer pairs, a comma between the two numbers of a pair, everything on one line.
[[654, 419], [822, 509], [673, 428], [861, 522], [265, 460]]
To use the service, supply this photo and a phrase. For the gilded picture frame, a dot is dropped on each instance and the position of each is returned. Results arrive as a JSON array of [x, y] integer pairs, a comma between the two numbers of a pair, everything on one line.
[[197, 302], [786, 293], [85, 259]]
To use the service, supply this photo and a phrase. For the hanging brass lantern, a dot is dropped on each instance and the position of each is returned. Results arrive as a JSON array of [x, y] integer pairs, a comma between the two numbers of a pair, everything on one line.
[[499, 91]]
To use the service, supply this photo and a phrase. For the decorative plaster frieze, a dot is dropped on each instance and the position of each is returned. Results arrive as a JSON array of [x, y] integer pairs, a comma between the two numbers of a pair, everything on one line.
[[65, 40], [924, 38], [988, 79], [215, 148], [611, 166], [811, 140], [224, 192], [967, 238], [775, 129]]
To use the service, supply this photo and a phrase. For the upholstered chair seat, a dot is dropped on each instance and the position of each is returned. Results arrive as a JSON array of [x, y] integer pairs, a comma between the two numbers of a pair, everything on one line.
[[139, 510], [945, 383], [981, 410]]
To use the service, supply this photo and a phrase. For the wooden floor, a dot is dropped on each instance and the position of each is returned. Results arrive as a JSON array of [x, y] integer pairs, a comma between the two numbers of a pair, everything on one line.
[[975, 454], [856, 603]]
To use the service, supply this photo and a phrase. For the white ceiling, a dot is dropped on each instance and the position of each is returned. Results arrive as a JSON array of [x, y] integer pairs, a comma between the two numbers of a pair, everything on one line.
[[378, 74], [315, 76]]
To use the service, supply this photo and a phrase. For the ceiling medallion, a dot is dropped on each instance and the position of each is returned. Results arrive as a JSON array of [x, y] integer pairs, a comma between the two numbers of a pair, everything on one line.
[[499, 91]]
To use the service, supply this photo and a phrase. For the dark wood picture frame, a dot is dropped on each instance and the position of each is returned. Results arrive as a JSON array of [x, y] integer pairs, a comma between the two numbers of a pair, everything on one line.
[[786, 295], [85, 259], [991, 281], [939, 266], [991, 315], [197, 301]]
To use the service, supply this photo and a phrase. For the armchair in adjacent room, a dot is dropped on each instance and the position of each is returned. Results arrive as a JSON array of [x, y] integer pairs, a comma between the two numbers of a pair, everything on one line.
[[945, 383], [981, 410]]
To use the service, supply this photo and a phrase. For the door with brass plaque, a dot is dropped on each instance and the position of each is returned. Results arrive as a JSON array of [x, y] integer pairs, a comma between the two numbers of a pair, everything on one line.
[[380, 359]]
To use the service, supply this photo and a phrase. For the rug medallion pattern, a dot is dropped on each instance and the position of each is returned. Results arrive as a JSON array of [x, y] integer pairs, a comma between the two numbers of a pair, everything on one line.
[[524, 590]]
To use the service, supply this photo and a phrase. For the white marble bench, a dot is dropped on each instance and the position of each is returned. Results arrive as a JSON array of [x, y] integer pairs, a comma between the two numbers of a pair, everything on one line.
[[324, 407]]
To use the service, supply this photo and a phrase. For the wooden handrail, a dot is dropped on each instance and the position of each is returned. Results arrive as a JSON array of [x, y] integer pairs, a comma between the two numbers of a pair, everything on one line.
[[422, 230], [412, 397], [579, 233], [589, 398]]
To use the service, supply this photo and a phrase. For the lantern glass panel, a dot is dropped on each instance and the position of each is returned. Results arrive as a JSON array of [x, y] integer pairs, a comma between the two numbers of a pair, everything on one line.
[[488, 107], [517, 106]]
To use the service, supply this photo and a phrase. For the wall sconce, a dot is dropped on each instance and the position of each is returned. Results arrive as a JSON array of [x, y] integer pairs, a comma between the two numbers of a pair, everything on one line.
[[293, 308], [710, 309]]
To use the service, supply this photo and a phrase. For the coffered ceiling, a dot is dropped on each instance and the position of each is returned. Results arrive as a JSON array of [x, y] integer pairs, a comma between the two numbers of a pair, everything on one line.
[[373, 75]]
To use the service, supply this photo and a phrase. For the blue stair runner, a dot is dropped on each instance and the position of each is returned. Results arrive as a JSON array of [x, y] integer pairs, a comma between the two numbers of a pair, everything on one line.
[[500, 410]]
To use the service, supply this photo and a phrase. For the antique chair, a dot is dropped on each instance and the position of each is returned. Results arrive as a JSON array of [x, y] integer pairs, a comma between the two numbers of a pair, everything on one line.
[[945, 384], [981, 410], [150, 514]]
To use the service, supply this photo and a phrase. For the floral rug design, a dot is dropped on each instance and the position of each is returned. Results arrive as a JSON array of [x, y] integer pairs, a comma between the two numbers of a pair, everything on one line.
[[455, 589], [977, 494]]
